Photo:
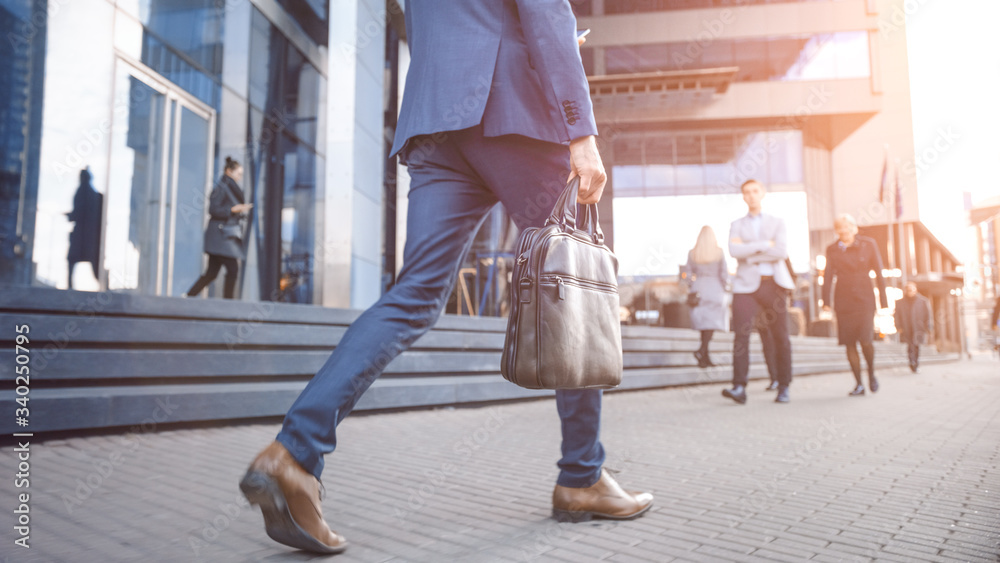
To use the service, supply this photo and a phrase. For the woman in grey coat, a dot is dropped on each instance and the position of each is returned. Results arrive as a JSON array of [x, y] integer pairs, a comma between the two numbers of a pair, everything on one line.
[[707, 275], [224, 236]]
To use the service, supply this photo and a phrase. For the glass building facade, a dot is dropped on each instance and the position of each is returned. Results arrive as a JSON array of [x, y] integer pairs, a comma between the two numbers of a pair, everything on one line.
[[827, 56], [150, 100]]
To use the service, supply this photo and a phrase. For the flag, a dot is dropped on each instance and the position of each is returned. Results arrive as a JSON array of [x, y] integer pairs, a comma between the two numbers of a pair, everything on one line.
[[883, 190], [899, 196]]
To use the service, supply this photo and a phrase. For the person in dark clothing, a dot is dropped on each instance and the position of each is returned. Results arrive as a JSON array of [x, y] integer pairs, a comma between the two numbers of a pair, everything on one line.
[[848, 263], [224, 236], [85, 240], [914, 322], [995, 323]]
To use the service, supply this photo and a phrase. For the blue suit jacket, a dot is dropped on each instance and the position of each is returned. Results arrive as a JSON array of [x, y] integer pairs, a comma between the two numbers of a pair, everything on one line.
[[512, 65]]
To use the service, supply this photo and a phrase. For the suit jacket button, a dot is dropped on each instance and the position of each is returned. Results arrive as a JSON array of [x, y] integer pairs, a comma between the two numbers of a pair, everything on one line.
[[571, 121]]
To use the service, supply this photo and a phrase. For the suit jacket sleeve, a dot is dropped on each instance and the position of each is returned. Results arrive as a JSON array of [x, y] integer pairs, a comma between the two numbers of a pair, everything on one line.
[[828, 274], [742, 250], [775, 253], [550, 31]]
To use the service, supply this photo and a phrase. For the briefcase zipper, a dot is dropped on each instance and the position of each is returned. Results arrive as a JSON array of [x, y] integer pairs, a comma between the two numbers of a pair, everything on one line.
[[561, 281]]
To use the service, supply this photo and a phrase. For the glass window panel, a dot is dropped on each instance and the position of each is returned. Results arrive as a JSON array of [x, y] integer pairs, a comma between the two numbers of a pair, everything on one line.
[[751, 158], [690, 175], [191, 28], [297, 223], [260, 53], [751, 57], [720, 165], [816, 60], [717, 54], [660, 176], [135, 188], [800, 57], [191, 208], [853, 60], [782, 54], [785, 160], [627, 177], [689, 149]]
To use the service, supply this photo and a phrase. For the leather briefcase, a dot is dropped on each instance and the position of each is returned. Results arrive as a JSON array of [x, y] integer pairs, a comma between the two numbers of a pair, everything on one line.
[[564, 330]]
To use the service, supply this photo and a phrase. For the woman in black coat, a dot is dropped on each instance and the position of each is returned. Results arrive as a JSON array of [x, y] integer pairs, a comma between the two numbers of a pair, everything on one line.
[[848, 263], [224, 236]]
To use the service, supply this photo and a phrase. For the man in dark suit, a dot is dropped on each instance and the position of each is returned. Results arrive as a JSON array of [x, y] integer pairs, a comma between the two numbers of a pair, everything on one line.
[[914, 322], [496, 109], [758, 241]]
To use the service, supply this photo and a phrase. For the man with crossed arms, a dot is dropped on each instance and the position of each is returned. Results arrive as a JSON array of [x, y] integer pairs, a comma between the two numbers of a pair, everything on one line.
[[758, 242]]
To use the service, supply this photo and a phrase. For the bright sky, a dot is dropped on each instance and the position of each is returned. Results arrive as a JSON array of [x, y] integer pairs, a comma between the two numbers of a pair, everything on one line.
[[660, 230], [954, 58]]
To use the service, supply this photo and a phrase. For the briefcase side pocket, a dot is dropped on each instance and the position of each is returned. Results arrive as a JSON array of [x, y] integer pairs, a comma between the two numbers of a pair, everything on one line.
[[590, 354]]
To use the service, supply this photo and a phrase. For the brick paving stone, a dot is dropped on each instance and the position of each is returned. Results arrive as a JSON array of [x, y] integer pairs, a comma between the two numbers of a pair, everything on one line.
[[907, 475], [772, 555], [840, 559]]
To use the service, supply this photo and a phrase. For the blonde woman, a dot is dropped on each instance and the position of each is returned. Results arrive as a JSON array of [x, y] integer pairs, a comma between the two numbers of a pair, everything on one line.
[[707, 275]]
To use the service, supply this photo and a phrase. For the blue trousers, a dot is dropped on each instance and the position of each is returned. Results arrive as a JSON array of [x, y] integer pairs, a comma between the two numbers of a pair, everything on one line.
[[456, 178]]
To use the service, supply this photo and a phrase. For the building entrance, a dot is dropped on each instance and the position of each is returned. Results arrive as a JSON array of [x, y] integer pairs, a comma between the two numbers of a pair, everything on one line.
[[159, 180]]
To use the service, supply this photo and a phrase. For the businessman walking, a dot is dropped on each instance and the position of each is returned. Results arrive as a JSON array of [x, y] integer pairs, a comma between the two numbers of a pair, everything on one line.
[[496, 109], [758, 242]]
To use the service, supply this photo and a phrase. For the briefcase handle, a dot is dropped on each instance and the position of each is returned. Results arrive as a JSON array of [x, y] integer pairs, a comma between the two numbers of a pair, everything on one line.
[[564, 213]]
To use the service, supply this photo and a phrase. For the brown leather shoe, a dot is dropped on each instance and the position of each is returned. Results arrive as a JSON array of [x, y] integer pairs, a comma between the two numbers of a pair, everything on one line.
[[289, 497], [603, 499]]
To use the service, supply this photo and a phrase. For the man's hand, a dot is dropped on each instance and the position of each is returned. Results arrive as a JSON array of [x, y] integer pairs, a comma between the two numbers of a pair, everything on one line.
[[585, 162], [826, 308], [736, 240]]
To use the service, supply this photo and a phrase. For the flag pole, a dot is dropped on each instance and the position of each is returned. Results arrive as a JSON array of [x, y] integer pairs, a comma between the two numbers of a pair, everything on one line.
[[890, 222], [904, 246]]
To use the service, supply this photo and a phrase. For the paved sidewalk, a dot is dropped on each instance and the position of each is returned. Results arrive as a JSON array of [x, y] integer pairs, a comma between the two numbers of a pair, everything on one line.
[[909, 474]]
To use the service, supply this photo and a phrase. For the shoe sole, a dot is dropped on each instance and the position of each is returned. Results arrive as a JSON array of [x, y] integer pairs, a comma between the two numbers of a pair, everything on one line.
[[740, 400], [571, 516], [262, 490]]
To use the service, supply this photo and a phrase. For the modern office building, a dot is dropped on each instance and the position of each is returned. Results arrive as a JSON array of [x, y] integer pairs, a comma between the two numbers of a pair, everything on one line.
[[692, 97], [982, 287], [151, 96]]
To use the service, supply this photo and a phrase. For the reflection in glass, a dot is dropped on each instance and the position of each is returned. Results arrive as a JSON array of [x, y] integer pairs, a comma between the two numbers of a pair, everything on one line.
[[135, 186], [297, 223], [192, 179], [183, 42], [285, 97], [157, 191]]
